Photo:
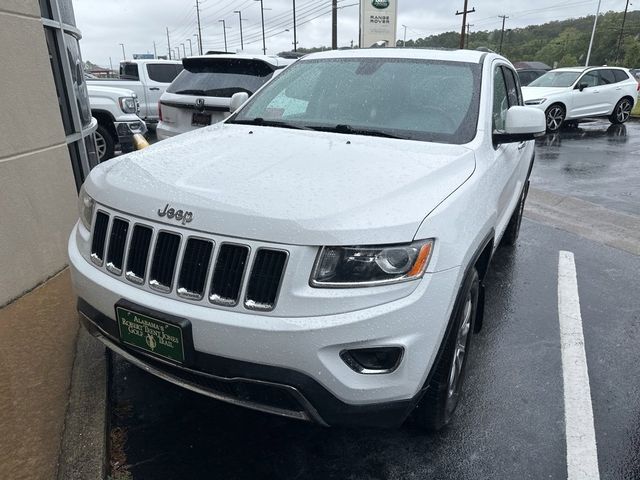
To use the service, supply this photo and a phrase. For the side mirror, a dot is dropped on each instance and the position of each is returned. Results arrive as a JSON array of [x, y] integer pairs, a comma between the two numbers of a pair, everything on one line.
[[521, 124], [582, 85], [237, 99]]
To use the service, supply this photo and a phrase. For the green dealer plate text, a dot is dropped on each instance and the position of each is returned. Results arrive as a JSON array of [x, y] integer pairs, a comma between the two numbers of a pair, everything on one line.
[[150, 334]]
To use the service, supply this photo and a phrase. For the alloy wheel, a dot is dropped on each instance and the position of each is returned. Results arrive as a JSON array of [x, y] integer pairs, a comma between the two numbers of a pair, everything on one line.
[[555, 117], [623, 111], [460, 349], [101, 145]]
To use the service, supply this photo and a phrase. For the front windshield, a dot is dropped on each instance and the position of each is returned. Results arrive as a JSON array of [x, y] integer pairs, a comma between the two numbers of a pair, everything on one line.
[[555, 79], [403, 98]]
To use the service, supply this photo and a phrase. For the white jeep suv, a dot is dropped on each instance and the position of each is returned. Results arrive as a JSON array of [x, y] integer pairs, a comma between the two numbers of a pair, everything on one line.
[[570, 95], [321, 253]]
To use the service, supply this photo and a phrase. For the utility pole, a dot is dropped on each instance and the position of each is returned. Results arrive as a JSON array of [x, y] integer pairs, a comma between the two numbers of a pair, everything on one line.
[[404, 37], [155, 52], [240, 20], [464, 13], [469, 25], [593, 34], [224, 31], [199, 26], [295, 40], [197, 42], [334, 24], [504, 18], [264, 44], [190, 46], [624, 17], [110, 66], [168, 43], [124, 56]]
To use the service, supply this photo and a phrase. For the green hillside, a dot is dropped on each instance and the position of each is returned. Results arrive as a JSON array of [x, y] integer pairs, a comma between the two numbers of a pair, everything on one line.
[[565, 42]]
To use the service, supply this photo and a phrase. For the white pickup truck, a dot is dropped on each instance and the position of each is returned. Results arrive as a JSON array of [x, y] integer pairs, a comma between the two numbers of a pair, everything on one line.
[[148, 79]]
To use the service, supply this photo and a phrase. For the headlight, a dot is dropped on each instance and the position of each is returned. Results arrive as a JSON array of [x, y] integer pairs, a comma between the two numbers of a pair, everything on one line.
[[370, 265], [535, 101], [128, 104], [85, 208]]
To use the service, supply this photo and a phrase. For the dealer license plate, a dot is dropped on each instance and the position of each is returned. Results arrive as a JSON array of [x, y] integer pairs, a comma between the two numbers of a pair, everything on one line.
[[151, 335], [201, 119]]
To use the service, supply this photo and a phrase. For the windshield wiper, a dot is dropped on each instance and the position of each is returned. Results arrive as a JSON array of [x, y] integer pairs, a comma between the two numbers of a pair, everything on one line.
[[343, 128], [191, 92], [270, 123]]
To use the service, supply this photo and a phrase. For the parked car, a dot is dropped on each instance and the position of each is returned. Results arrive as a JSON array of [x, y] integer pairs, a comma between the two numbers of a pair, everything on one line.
[[576, 94], [529, 71], [148, 79], [116, 111], [321, 253], [200, 95]]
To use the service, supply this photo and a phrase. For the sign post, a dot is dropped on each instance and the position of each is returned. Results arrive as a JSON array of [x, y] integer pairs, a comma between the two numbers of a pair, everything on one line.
[[378, 23]]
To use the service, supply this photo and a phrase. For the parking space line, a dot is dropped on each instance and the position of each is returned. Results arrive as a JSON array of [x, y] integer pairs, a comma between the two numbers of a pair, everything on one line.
[[582, 454]]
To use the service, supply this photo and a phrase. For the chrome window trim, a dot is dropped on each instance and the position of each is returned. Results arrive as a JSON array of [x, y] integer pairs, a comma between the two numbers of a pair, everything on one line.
[[246, 287]]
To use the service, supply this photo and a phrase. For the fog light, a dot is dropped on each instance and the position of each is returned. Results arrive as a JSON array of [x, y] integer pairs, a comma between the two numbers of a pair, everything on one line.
[[373, 360]]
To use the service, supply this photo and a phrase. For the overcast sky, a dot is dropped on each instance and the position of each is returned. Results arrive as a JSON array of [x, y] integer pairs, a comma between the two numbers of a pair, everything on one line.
[[137, 24]]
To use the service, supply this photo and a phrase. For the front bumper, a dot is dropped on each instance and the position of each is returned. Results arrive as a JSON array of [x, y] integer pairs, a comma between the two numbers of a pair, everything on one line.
[[300, 355]]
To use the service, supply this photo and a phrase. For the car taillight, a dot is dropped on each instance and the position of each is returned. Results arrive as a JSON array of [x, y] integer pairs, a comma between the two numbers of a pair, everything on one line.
[[638, 87], [160, 110]]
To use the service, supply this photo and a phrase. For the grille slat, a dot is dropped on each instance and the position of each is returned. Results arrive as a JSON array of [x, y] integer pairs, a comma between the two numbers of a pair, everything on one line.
[[117, 241], [138, 254], [99, 238], [264, 281], [228, 273], [195, 264], [164, 261]]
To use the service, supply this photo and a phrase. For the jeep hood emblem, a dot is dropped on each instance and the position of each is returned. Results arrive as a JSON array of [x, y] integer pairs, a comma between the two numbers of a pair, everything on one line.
[[179, 215]]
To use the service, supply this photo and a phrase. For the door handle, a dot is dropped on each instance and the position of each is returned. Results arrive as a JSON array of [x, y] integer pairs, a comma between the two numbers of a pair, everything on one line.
[[154, 88], [522, 145], [618, 88]]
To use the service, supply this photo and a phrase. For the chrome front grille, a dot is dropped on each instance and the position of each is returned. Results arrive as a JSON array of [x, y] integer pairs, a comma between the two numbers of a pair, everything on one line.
[[191, 267]]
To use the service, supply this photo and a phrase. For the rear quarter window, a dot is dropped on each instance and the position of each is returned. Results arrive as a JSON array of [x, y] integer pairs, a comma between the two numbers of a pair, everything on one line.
[[163, 72], [620, 76], [129, 71]]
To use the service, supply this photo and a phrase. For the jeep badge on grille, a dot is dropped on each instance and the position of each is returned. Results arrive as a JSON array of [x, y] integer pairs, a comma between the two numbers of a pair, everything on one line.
[[179, 215]]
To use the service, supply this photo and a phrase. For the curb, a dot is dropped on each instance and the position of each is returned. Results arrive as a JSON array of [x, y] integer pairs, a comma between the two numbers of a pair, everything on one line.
[[84, 441]]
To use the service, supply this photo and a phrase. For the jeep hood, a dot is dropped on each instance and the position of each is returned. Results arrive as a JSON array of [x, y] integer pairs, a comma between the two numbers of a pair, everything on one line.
[[286, 186]]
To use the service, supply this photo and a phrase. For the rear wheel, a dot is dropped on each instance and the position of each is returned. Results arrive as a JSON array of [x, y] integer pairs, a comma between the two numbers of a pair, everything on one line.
[[104, 144], [621, 112], [443, 393], [555, 116]]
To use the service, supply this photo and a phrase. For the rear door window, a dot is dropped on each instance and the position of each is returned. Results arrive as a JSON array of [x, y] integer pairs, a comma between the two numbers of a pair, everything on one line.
[[606, 77], [221, 77], [620, 76], [163, 72], [129, 71]]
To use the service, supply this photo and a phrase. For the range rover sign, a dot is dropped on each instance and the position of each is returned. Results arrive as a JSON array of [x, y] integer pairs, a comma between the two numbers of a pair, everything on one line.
[[378, 23]]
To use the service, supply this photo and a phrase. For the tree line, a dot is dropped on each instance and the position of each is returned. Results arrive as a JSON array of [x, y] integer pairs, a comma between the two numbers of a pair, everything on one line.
[[558, 44]]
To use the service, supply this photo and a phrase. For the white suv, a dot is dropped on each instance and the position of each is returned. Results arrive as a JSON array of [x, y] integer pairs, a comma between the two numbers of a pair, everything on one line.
[[325, 261], [569, 95], [200, 95]]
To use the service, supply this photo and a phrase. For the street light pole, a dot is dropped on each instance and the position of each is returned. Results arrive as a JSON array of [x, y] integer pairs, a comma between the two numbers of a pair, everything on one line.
[[224, 31], [184, 50], [295, 40], [124, 55], [198, 44], [190, 46], [404, 37], [264, 44], [240, 20], [593, 34]]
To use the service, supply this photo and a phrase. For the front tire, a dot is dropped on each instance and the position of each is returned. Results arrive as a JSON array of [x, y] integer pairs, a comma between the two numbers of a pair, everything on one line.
[[621, 112], [104, 144], [436, 408], [555, 116]]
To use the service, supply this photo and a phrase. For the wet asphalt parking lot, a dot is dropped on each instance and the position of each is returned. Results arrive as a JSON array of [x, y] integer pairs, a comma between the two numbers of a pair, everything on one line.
[[511, 420]]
